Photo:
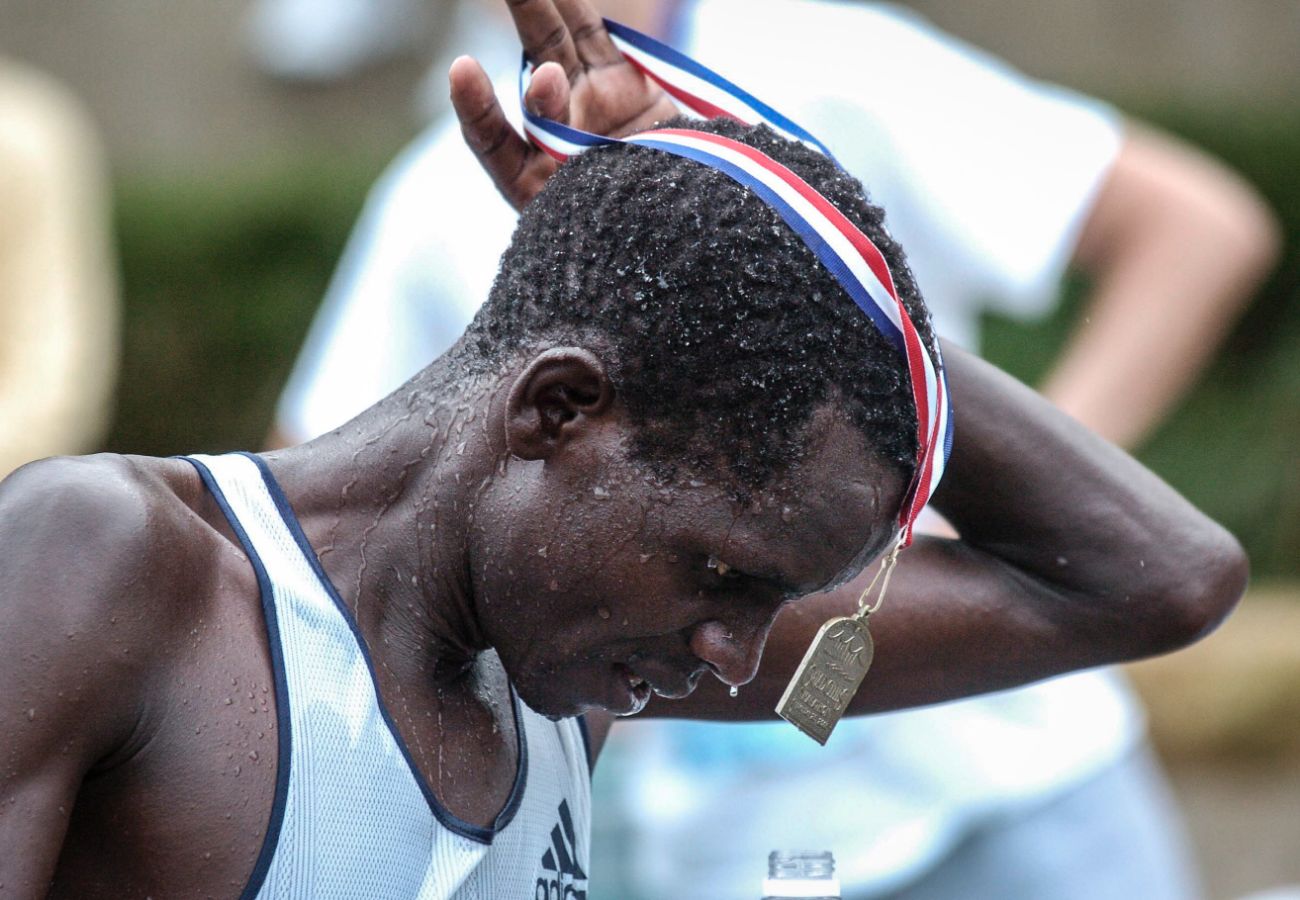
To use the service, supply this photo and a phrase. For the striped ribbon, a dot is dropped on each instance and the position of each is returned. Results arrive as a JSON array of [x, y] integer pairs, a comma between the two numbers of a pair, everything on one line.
[[850, 256]]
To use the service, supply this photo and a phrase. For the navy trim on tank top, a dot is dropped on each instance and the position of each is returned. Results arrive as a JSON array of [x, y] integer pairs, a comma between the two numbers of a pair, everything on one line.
[[284, 746], [449, 819]]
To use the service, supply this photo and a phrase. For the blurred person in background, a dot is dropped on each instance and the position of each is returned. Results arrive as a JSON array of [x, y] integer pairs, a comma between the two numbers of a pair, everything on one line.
[[58, 286], [996, 184], [322, 41]]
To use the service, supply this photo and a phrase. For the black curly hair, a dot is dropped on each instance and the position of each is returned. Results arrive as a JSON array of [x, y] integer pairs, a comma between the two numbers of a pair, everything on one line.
[[724, 331]]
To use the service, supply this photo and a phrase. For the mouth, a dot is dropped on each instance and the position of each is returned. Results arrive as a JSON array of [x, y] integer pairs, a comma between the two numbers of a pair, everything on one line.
[[670, 684], [638, 690]]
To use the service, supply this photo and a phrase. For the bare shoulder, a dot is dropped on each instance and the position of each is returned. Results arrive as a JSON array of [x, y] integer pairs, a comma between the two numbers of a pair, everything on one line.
[[93, 551], [75, 531], [72, 496]]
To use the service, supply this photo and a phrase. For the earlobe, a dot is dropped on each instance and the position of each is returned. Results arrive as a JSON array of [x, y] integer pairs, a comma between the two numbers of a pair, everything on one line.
[[555, 398]]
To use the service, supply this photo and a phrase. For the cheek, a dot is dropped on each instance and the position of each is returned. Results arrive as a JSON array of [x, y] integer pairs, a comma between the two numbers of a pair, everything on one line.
[[565, 562], [588, 554]]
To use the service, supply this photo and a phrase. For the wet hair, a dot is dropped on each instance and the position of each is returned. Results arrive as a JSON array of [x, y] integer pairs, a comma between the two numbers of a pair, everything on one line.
[[723, 332]]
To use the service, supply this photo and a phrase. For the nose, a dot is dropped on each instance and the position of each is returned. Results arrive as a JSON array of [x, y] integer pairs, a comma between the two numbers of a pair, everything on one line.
[[733, 652]]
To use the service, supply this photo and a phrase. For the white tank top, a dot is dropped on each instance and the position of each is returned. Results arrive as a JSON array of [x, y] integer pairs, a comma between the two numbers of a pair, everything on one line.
[[352, 816]]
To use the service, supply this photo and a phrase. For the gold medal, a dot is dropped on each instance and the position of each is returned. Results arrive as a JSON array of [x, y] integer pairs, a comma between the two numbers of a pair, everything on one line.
[[833, 668], [828, 677]]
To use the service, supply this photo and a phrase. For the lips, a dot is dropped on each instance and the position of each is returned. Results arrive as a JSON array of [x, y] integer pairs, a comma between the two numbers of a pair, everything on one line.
[[638, 689], [658, 678]]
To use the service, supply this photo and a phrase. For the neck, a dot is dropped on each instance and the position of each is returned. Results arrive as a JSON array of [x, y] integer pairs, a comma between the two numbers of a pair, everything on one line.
[[388, 502]]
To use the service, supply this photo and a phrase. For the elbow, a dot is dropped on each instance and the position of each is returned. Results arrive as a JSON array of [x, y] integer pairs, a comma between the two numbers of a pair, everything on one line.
[[1203, 586], [1255, 234], [1237, 225]]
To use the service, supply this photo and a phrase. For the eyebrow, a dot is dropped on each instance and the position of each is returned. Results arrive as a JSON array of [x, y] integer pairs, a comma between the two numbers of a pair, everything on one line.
[[855, 567], [864, 558]]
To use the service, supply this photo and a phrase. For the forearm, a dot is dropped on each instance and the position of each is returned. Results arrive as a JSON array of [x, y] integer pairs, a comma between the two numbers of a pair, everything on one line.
[[1175, 245], [1130, 361]]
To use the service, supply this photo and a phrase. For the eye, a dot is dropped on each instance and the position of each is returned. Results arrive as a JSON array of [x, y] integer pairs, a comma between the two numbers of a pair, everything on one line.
[[721, 569]]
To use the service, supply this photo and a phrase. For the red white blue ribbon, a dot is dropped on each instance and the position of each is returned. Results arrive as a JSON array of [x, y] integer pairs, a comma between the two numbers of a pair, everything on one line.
[[850, 256]]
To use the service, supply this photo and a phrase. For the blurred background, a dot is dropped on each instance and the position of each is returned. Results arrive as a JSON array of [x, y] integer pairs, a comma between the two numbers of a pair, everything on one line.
[[233, 191]]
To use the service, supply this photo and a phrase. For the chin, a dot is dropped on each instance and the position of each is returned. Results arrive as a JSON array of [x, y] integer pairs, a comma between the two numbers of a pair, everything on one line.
[[546, 700]]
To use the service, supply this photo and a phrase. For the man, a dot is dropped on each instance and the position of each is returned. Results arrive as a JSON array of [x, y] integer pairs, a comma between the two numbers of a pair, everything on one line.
[[350, 669], [994, 182]]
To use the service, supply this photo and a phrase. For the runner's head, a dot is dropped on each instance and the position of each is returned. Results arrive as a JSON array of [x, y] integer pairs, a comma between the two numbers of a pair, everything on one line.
[[701, 426]]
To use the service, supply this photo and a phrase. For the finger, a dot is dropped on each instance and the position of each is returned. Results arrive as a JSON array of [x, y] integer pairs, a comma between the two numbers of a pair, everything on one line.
[[544, 35], [548, 93], [502, 153], [587, 30]]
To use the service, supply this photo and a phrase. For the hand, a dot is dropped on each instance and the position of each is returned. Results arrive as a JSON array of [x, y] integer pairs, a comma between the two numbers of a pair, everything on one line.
[[581, 80]]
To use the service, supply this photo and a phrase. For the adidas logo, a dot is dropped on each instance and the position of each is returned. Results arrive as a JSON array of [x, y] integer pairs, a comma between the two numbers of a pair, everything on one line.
[[562, 876]]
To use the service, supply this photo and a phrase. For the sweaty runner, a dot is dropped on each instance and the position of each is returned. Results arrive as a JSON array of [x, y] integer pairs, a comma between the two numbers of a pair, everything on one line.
[[378, 664]]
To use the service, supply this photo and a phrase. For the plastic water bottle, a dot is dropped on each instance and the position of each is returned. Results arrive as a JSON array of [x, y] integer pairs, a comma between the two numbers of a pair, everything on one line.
[[802, 875]]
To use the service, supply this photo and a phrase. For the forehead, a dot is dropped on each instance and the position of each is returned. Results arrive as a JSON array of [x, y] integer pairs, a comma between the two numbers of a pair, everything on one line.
[[825, 518]]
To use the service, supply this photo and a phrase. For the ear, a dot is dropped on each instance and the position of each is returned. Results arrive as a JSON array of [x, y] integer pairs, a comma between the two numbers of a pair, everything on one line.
[[554, 399]]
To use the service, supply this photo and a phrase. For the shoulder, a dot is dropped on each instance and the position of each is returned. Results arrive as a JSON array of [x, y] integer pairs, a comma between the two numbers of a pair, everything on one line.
[[83, 543], [67, 505], [87, 611]]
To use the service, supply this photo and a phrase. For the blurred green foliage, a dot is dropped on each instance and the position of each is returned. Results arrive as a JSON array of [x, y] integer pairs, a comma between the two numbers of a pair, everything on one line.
[[222, 274]]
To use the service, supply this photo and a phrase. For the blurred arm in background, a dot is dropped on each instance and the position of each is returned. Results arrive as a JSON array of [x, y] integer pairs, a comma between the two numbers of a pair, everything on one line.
[[1175, 245], [58, 290]]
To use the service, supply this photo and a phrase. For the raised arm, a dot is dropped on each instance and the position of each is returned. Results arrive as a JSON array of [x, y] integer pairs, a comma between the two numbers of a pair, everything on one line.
[[1072, 555], [1175, 244]]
